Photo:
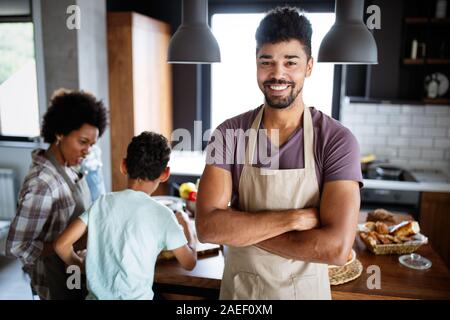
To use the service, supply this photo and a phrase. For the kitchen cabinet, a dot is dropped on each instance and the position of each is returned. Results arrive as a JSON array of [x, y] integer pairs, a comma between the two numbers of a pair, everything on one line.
[[401, 71], [435, 222], [140, 82]]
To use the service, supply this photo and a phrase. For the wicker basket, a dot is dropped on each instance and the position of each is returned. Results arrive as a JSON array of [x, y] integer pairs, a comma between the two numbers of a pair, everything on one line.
[[395, 248], [400, 248]]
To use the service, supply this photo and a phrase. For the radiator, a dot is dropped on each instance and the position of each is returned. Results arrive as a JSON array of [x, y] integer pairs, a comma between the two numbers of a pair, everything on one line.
[[7, 195]]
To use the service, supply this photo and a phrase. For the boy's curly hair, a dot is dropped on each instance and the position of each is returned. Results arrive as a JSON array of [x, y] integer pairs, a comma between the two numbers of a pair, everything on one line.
[[147, 156], [69, 111], [284, 24]]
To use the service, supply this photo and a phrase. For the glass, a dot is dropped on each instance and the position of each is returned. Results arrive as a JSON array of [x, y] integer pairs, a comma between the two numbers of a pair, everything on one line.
[[415, 261]]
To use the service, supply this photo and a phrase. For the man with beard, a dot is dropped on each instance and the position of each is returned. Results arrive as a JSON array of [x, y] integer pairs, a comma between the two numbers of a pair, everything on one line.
[[285, 223]]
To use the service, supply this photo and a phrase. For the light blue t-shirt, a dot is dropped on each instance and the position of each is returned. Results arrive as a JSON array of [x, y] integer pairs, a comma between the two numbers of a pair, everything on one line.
[[126, 232]]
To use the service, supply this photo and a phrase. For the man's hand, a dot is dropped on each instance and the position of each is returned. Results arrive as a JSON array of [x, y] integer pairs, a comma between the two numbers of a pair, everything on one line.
[[217, 223], [306, 219], [331, 243]]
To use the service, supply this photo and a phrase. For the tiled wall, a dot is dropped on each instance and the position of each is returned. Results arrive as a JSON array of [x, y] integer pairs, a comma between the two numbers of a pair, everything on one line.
[[415, 137]]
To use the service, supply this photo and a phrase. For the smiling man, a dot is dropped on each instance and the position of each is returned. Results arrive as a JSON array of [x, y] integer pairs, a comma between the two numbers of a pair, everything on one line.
[[281, 224]]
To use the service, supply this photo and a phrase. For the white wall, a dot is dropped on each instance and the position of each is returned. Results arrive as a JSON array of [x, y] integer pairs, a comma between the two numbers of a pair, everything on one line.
[[412, 136]]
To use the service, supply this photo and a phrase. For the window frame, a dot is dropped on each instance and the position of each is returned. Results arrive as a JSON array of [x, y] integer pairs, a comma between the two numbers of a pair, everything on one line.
[[33, 17], [204, 70]]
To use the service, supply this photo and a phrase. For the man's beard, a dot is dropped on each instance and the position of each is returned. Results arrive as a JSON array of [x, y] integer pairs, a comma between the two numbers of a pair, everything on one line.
[[281, 102]]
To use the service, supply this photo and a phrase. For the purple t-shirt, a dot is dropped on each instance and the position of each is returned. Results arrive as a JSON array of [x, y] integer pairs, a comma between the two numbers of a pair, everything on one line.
[[336, 150]]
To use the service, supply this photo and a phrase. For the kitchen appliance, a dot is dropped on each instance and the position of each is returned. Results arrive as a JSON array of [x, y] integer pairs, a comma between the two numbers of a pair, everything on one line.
[[388, 171], [403, 201]]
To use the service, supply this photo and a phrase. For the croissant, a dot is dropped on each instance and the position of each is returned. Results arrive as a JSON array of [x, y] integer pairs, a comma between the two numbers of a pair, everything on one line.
[[383, 238], [369, 239], [381, 227]]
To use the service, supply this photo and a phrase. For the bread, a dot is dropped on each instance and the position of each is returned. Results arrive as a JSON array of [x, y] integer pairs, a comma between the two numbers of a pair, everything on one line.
[[370, 225], [380, 234], [380, 215], [405, 229], [368, 239], [383, 238], [405, 239], [381, 227], [394, 239]]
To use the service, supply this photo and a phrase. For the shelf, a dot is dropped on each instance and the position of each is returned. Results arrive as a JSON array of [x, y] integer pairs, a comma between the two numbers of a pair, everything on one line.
[[424, 20], [427, 61], [440, 20], [416, 20], [365, 100], [437, 101]]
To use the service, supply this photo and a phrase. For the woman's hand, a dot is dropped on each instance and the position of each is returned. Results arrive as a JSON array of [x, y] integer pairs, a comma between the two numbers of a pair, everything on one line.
[[64, 244], [82, 256]]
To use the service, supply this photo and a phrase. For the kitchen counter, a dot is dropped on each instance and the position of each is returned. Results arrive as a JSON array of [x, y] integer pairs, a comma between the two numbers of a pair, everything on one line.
[[192, 163], [407, 186], [397, 281]]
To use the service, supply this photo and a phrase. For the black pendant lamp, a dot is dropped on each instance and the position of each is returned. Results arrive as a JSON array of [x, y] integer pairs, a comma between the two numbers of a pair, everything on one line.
[[349, 41], [194, 42]]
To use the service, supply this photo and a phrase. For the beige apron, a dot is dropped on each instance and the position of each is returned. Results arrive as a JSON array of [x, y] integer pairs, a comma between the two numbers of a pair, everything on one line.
[[253, 273]]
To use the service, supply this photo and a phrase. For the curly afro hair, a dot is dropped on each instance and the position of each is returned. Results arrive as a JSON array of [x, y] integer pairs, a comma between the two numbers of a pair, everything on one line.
[[69, 111], [283, 24], [147, 156]]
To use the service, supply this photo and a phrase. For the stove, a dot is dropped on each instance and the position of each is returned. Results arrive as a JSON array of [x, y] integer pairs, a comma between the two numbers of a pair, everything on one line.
[[390, 173], [403, 201]]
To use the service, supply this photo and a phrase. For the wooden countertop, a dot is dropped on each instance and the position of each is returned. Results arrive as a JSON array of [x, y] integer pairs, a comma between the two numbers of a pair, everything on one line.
[[397, 281]]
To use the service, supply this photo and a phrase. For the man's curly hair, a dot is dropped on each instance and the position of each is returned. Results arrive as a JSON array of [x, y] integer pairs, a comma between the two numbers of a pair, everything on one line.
[[284, 24], [69, 111], [147, 156]]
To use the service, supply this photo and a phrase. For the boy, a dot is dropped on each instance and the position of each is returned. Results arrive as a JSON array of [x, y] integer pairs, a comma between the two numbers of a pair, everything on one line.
[[128, 229]]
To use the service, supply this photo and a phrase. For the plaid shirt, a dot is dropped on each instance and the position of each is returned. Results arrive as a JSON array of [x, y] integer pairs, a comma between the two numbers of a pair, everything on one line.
[[45, 205]]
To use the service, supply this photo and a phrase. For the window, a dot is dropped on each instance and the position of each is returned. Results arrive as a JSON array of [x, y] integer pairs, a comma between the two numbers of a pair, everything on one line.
[[234, 89], [19, 111]]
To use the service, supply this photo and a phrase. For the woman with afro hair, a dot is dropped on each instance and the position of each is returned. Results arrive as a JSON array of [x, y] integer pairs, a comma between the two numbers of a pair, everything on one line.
[[55, 192]]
